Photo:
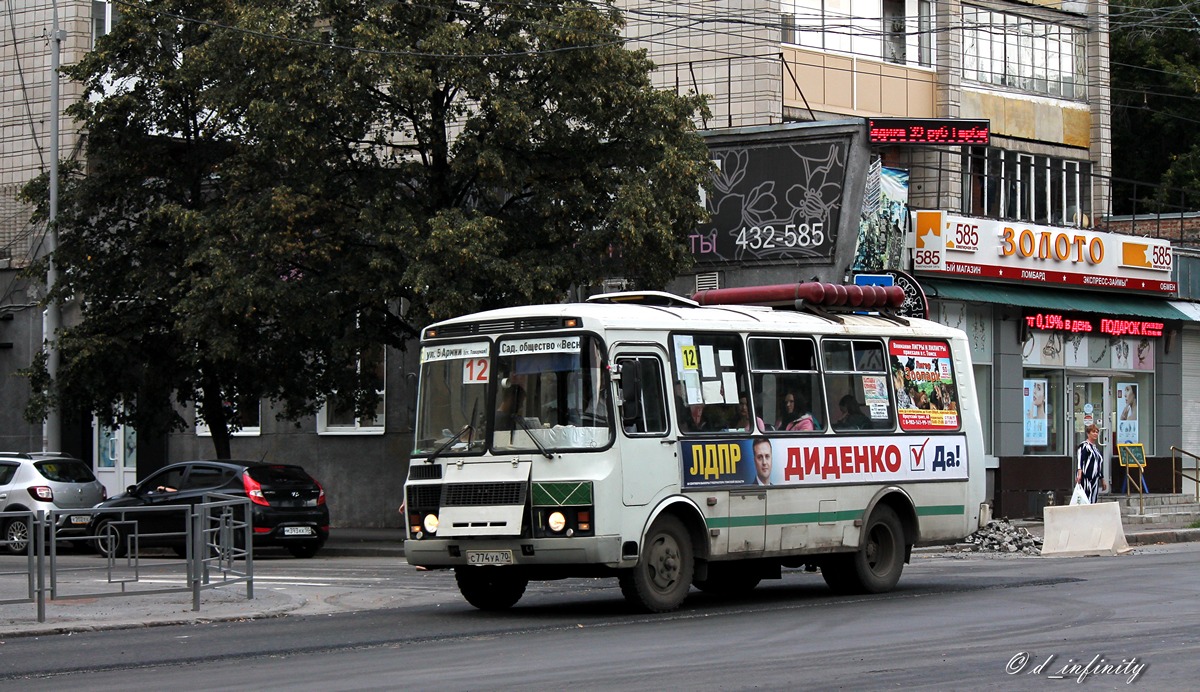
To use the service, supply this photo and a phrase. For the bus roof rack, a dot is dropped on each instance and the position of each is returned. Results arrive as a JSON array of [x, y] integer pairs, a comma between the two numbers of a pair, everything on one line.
[[658, 298], [810, 296]]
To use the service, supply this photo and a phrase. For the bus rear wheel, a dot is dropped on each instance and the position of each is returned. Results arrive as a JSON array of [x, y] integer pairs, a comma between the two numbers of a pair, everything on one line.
[[662, 577], [877, 565], [490, 588]]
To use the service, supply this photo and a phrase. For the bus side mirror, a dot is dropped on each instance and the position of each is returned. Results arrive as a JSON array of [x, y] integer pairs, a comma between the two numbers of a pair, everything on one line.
[[630, 378]]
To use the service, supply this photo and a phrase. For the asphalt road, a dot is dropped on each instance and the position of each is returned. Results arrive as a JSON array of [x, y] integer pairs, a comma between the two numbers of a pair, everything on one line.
[[981, 622]]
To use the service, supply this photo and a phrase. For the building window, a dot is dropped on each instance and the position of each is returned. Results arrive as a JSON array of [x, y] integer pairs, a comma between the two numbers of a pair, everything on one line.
[[244, 417], [105, 16], [1017, 52], [880, 29], [1002, 184], [337, 416]]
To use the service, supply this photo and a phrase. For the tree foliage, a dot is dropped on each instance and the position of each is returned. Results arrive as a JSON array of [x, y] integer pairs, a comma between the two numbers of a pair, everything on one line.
[[1155, 60], [269, 182]]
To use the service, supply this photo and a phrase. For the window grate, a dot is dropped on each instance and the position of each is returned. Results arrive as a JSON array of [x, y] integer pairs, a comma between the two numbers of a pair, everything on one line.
[[708, 281], [424, 472], [482, 494]]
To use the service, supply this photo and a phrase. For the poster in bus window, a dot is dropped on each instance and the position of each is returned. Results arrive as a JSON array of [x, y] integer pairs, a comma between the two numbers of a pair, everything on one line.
[[1127, 412], [1037, 430], [926, 396]]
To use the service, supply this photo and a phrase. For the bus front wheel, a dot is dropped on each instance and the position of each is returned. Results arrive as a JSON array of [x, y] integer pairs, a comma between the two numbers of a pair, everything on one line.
[[661, 579], [490, 588], [877, 565]]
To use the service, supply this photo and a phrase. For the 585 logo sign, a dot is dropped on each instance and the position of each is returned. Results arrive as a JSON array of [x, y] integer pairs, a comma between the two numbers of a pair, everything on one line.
[[929, 251]]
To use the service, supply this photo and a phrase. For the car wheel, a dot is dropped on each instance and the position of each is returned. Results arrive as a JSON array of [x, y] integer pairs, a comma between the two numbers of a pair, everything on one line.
[[16, 535], [110, 541], [304, 550]]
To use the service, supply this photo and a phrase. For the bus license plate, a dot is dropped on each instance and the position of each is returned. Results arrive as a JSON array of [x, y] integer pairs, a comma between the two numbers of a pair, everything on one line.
[[297, 530], [489, 557]]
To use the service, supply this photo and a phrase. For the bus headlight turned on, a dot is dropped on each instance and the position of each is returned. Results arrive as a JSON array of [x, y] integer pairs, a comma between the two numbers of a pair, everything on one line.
[[430, 523], [556, 521]]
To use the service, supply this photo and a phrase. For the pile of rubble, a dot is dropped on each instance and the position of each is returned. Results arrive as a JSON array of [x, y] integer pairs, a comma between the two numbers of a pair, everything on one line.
[[1000, 536]]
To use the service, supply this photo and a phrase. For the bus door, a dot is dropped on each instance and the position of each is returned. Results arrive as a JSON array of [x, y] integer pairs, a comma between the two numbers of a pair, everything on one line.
[[649, 452]]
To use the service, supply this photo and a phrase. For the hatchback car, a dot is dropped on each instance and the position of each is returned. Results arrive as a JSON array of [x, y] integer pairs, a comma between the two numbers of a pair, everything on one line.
[[45, 481], [287, 506]]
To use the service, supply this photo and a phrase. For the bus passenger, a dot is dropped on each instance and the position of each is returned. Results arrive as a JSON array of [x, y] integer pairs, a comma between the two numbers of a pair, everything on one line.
[[695, 422], [796, 415], [510, 407], [743, 421], [852, 416]]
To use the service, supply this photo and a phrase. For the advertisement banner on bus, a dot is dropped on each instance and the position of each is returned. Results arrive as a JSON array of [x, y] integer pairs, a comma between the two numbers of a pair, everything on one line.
[[823, 460], [926, 398]]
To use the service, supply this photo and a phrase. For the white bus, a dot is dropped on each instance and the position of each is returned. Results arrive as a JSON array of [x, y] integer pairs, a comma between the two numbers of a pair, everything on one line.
[[710, 442]]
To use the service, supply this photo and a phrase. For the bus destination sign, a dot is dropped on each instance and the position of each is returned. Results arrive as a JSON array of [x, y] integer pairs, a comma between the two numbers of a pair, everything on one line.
[[928, 131]]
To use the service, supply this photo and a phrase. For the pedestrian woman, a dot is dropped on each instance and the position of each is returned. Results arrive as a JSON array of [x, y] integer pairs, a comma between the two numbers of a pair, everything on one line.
[[1088, 459]]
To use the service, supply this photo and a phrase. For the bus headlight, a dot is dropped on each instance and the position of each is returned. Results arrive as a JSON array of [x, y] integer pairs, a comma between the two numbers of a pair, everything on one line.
[[556, 521], [431, 523]]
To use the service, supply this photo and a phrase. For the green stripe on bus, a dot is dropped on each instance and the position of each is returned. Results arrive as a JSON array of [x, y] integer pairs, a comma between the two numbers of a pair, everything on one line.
[[940, 510], [816, 517]]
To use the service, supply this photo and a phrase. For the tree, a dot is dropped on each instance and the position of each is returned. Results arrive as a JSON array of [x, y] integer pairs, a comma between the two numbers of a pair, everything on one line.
[[1155, 72], [267, 180]]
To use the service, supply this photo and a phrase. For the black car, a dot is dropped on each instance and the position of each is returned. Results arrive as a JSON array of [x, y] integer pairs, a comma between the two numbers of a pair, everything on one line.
[[287, 506]]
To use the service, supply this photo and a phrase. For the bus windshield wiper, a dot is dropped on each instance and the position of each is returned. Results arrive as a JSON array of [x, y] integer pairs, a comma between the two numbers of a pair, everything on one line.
[[529, 431], [469, 427], [453, 438]]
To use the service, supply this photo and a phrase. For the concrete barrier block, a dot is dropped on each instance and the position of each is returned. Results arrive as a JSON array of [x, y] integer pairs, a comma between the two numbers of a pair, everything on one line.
[[1078, 530]]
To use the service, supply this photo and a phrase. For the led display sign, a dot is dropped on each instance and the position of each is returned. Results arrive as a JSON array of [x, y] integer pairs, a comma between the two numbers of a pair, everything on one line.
[[1076, 324], [928, 131]]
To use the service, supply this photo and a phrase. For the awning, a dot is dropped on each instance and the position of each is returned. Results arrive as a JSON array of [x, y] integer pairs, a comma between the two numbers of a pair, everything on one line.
[[1063, 299], [1188, 308]]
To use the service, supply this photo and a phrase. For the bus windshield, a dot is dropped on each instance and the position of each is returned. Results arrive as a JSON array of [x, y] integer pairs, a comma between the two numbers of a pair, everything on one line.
[[550, 394], [452, 413]]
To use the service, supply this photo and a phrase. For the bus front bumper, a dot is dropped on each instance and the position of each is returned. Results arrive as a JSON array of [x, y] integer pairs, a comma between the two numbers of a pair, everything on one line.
[[531, 552]]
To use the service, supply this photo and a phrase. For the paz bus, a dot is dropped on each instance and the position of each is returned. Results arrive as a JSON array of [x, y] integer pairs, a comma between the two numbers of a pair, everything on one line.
[[709, 442]]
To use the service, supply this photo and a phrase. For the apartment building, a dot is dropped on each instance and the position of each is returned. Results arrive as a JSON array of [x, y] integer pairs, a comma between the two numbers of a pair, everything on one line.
[[988, 158]]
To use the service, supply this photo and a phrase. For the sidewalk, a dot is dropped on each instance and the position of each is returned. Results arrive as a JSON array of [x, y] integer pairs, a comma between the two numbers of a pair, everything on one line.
[[220, 604], [1135, 534], [230, 603]]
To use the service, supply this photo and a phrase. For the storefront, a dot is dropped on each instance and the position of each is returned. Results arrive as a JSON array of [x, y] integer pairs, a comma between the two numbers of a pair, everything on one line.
[[1069, 327]]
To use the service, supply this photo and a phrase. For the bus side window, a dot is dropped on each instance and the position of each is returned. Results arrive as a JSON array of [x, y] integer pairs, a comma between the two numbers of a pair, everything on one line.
[[856, 379], [786, 387], [650, 416], [709, 382]]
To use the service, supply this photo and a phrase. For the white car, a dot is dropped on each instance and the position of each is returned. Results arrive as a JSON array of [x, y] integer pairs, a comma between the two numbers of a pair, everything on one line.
[[45, 481]]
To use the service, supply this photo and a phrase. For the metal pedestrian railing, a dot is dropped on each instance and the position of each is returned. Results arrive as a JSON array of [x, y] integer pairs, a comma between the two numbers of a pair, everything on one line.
[[215, 538]]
